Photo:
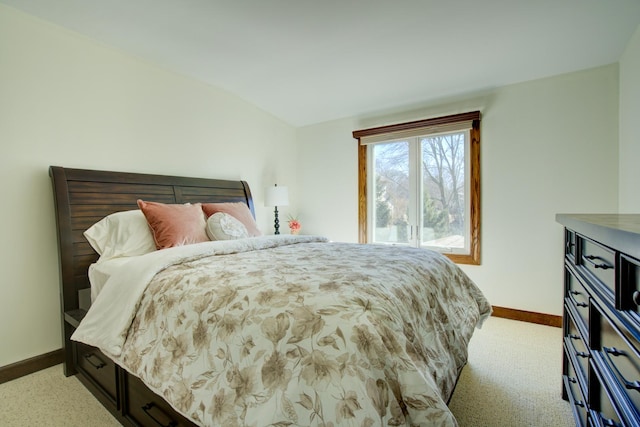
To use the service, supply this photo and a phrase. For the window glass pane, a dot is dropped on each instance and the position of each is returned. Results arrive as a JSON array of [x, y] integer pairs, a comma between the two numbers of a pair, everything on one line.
[[444, 219], [391, 191], [419, 184]]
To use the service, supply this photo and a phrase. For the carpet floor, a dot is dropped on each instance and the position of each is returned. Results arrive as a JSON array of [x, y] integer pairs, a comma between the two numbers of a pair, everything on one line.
[[513, 378]]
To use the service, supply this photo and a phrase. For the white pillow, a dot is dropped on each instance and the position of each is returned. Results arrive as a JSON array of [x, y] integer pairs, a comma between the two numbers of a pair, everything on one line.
[[121, 234], [222, 226]]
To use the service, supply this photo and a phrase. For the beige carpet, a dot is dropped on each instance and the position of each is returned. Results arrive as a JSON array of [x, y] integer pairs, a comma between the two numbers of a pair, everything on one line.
[[512, 379]]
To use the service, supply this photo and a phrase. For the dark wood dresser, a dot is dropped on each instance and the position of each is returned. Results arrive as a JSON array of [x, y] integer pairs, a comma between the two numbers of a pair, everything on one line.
[[601, 318]]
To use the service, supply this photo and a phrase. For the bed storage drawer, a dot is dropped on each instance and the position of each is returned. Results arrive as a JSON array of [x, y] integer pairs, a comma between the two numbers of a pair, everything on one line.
[[99, 369], [144, 407]]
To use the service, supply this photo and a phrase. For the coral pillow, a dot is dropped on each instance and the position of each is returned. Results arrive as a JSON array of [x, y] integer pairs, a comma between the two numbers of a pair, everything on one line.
[[174, 224], [238, 210]]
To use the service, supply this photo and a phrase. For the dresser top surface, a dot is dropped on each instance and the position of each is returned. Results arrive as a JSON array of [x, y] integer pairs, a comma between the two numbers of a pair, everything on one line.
[[624, 222], [619, 231]]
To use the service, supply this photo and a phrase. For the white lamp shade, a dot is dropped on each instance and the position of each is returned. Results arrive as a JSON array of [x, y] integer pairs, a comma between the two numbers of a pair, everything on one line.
[[277, 196]]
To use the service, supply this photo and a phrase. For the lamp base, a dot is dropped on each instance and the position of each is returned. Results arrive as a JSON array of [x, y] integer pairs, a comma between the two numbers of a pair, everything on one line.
[[276, 223]]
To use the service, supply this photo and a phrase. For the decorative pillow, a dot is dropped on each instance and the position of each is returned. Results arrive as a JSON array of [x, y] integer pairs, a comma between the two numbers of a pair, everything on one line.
[[222, 226], [121, 234], [174, 224], [238, 210]]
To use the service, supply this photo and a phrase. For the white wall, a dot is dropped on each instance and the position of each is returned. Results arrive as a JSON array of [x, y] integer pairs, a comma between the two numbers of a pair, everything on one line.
[[327, 180], [547, 146], [66, 100], [629, 136]]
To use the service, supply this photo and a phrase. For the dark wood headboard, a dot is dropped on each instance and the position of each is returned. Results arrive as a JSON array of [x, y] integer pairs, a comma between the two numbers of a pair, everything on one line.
[[83, 197]]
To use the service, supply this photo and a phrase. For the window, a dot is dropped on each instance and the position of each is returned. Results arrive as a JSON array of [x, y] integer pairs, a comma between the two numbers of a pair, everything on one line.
[[419, 185]]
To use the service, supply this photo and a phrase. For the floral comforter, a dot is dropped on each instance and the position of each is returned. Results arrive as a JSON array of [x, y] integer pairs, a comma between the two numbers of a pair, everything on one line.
[[297, 331]]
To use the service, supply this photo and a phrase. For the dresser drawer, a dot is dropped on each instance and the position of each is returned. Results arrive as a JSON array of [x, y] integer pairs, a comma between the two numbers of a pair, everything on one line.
[[576, 400], [99, 368], [603, 409], [577, 298], [577, 350], [598, 261], [628, 295], [570, 244], [144, 407], [619, 361]]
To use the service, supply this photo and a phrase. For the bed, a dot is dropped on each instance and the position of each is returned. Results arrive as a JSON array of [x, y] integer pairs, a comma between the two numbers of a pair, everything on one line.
[[255, 331]]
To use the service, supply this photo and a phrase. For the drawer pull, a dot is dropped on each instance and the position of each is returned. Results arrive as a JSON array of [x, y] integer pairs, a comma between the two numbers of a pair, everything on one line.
[[636, 297], [98, 365], [593, 260], [147, 410], [579, 304], [614, 351], [631, 385], [574, 350]]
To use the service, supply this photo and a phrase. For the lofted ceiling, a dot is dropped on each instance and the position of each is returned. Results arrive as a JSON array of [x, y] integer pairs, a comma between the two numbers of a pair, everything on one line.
[[309, 61]]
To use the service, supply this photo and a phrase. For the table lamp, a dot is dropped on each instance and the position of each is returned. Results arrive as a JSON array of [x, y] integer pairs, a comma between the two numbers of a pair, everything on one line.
[[276, 196]]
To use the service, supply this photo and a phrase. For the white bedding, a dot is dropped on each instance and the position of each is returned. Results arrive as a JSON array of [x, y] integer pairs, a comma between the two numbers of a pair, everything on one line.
[[100, 272], [109, 317], [291, 330]]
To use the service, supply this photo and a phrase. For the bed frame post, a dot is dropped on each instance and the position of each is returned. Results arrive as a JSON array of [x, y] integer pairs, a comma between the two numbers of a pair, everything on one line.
[[68, 295]]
